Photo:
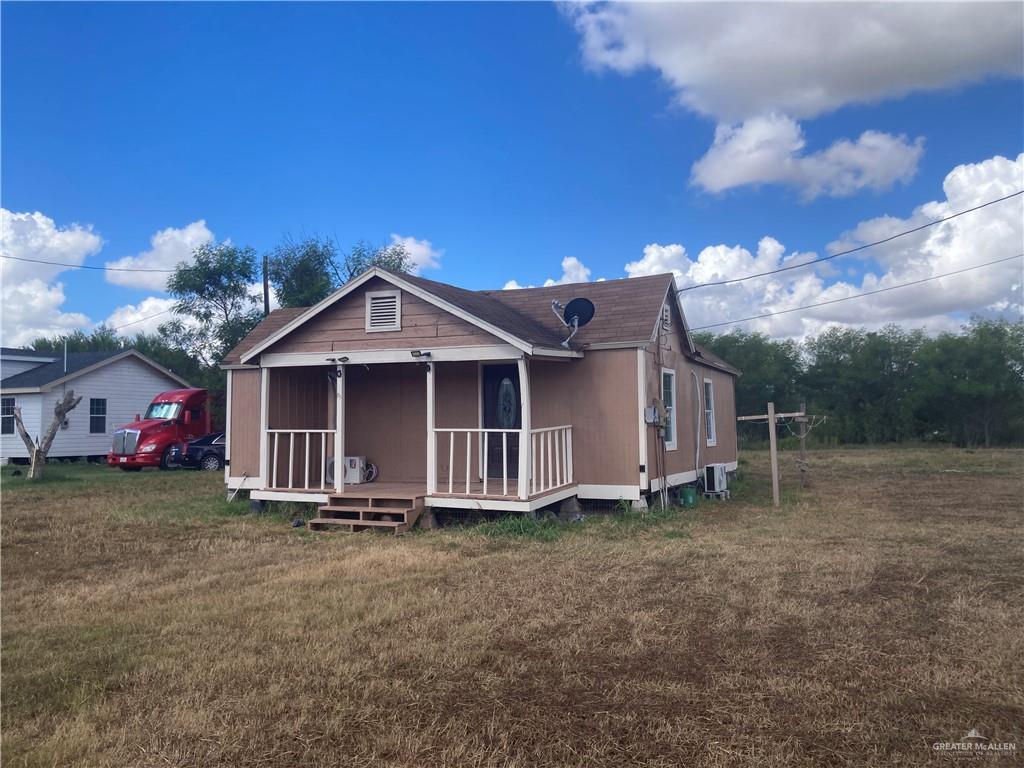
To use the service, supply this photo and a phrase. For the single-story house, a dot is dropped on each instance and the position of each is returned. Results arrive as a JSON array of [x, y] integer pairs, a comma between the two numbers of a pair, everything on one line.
[[470, 399], [114, 386]]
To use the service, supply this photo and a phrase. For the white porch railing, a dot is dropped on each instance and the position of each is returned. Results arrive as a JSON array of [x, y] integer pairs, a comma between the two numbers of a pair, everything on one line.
[[550, 458], [550, 461], [305, 452]]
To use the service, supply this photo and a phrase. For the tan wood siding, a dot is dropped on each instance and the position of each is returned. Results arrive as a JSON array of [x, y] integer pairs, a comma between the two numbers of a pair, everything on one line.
[[342, 327], [688, 398], [245, 423], [597, 396]]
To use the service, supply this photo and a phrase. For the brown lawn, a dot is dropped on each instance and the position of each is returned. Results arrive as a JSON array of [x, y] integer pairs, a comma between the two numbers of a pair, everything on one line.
[[145, 622]]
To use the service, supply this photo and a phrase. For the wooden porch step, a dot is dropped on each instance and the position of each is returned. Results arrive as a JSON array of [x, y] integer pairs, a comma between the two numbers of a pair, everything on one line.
[[358, 525]]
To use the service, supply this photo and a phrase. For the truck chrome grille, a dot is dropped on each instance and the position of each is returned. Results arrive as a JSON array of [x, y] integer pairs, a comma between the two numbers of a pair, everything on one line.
[[125, 441]]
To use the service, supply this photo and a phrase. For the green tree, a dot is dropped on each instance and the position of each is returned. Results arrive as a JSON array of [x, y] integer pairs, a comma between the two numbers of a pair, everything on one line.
[[214, 292], [971, 386], [304, 272], [394, 257]]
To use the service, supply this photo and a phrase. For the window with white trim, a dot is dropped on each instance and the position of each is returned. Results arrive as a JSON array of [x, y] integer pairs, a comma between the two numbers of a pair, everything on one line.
[[97, 415], [668, 399], [7, 416], [383, 311], [709, 412]]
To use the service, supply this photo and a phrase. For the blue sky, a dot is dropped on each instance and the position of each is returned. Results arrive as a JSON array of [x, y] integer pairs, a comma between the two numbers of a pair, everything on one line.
[[488, 131]]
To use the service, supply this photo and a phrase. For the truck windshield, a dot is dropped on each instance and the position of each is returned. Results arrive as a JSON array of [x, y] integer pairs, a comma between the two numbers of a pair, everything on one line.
[[163, 411]]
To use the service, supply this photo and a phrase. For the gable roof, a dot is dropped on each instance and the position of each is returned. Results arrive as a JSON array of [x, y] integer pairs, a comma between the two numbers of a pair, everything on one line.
[[79, 363], [628, 310], [266, 327]]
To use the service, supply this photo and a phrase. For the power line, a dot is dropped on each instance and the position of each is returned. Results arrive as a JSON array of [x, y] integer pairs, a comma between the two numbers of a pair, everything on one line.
[[858, 295], [142, 319], [83, 266], [854, 250]]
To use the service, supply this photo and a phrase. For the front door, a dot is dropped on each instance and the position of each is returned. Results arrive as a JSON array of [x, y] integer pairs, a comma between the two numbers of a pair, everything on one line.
[[502, 402]]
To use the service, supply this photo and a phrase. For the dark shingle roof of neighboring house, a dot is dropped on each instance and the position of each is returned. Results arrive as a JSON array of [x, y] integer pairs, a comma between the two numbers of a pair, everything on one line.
[[49, 372], [77, 362], [628, 310], [15, 352]]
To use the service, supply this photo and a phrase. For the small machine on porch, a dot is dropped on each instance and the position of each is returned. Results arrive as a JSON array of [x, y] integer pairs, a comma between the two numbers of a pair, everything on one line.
[[356, 470]]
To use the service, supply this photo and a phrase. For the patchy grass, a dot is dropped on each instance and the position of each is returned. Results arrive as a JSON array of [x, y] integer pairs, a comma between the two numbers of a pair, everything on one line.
[[145, 621]]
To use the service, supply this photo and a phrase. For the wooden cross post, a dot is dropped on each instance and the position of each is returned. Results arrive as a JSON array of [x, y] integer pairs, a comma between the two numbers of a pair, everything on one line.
[[773, 419]]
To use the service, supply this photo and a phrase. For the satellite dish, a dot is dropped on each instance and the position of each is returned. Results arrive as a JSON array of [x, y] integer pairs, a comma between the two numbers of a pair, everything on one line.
[[582, 310], [574, 315]]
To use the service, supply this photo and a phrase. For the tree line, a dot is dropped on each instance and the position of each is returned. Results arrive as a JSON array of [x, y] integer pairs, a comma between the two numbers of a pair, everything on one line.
[[888, 386]]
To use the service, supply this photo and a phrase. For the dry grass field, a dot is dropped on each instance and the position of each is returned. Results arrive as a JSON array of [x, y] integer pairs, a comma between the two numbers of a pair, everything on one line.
[[145, 622]]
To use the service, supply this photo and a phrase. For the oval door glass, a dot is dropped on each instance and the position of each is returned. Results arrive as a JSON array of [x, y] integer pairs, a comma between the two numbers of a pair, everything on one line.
[[507, 405]]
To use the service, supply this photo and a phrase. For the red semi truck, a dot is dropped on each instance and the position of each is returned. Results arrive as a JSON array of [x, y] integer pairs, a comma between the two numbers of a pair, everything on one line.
[[172, 418]]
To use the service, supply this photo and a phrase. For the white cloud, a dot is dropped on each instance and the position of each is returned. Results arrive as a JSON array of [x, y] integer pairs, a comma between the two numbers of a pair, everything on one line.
[[36, 236], [770, 150], [143, 317], [32, 308], [758, 68], [986, 235], [573, 271], [168, 248], [733, 61], [422, 252], [31, 302]]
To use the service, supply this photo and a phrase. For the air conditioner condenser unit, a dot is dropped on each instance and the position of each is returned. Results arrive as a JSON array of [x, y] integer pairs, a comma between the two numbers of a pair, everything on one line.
[[715, 478], [353, 470]]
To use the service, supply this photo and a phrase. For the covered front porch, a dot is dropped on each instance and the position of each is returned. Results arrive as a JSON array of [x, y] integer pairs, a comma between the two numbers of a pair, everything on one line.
[[449, 432]]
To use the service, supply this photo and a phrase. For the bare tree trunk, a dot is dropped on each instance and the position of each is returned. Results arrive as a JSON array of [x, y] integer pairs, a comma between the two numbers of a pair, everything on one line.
[[37, 451]]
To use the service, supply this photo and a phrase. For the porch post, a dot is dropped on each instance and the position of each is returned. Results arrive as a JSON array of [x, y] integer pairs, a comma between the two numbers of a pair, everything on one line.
[[525, 427], [431, 438], [339, 431], [264, 413]]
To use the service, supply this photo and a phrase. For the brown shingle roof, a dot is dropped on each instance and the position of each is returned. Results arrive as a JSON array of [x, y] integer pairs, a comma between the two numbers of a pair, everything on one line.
[[272, 323], [702, 355], [627, 310]]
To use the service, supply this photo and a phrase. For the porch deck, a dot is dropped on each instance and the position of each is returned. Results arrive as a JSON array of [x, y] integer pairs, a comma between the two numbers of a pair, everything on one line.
[[414, 491]]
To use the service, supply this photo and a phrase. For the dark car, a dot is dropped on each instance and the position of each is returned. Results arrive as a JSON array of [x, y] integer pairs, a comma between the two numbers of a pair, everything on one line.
[[205, 453]]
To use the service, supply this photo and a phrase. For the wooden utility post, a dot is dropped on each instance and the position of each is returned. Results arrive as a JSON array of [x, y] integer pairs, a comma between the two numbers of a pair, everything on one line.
[[774, 451], [772, 418], [266, 285]]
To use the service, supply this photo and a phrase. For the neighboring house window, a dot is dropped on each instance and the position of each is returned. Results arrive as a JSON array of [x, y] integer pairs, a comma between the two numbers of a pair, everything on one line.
[[668, 399], [97, 415], [383, 311], [7, 416], [709, 412]]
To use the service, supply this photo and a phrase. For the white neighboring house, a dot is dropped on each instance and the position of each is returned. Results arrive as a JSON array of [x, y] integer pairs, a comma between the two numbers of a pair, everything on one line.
[[114, 386]]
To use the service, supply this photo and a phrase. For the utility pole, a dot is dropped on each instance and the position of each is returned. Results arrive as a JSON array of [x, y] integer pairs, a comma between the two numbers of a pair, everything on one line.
[[772, 419], [266, 285]]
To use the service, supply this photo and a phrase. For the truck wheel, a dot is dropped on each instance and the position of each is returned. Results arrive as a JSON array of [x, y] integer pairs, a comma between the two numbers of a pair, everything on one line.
[[165, 459], [211, 462]]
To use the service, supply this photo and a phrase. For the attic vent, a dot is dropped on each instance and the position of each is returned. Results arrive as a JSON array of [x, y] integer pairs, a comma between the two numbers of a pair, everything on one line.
[[666, 315], [383, 311]]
